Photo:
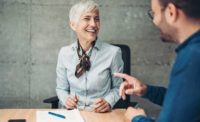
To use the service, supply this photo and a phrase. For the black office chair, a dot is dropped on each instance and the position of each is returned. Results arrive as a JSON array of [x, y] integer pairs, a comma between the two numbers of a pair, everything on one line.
[[127, 69]]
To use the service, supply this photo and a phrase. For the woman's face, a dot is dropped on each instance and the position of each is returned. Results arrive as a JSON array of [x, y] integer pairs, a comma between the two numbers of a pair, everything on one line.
[[87, 27]]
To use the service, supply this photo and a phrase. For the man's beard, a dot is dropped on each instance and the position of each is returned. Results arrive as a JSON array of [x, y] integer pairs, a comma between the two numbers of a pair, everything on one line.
[[167, 33], [166, 37]]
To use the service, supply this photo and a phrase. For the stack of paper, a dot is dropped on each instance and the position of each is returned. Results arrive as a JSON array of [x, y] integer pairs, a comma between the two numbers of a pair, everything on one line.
[[70, 116]]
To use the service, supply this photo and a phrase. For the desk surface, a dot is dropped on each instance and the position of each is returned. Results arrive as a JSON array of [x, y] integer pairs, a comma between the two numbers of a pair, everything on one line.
[[116, 115]]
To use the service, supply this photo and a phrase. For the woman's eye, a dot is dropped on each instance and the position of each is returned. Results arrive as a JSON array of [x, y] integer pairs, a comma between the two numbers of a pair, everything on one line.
[[86, 18], [97, 19]]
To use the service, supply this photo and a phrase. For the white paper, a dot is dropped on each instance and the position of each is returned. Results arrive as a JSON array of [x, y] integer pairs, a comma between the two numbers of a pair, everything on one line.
[[70, 116]]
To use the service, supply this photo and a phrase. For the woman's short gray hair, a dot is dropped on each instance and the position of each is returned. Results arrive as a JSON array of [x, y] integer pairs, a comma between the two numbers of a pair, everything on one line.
[[80, 7]]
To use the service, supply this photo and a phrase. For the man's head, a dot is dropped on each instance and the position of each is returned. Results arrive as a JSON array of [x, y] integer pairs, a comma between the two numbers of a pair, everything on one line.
[[84, 20], [169, 16], [191, 8]]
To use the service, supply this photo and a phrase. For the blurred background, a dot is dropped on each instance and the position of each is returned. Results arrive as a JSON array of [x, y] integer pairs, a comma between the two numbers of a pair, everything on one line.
[[33, 31]]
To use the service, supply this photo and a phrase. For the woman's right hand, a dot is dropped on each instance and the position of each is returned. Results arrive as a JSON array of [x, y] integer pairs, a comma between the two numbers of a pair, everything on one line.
[[71, 102]]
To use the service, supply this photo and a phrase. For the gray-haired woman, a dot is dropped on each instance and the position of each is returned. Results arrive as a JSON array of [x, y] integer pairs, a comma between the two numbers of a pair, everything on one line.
[[85, 68]]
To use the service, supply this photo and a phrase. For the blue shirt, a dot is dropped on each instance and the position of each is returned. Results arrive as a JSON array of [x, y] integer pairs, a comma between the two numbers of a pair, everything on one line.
[[98, 82], [182, 99]]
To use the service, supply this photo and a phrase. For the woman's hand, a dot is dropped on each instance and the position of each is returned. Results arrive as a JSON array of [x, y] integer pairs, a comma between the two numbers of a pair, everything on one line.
[[71, 102], [101, 105]]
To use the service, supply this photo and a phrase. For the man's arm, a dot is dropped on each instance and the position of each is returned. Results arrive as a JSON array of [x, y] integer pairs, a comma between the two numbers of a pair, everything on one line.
[[141, 118], [181, 103]]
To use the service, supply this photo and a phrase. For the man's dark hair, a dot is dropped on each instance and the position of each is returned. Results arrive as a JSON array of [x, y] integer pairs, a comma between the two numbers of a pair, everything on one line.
[[190, 7]]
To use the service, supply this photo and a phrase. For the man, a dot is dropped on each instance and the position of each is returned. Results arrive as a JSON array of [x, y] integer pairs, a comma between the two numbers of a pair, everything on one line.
[[179, 22]]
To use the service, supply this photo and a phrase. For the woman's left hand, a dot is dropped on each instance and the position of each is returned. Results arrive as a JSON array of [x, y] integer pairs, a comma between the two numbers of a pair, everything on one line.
[[101, 105]]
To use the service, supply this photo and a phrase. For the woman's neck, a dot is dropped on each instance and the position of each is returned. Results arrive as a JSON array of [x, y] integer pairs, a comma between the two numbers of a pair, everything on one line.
[[85, 45]]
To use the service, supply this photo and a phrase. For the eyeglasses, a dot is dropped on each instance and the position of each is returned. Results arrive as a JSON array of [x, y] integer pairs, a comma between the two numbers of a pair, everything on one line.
[[151, 14]]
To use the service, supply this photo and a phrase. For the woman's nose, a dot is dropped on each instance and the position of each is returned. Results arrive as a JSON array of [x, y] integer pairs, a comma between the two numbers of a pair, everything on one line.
[[92, 22]]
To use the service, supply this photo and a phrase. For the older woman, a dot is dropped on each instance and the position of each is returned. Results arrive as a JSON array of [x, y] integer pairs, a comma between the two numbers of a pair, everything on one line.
[[85, 68]]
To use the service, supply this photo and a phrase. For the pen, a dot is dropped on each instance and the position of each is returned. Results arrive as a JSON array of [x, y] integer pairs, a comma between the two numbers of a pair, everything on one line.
[[75, 95], [58, 115]]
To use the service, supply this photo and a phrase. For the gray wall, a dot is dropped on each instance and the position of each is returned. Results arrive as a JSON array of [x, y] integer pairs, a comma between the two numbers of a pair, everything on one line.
[[33, 31]]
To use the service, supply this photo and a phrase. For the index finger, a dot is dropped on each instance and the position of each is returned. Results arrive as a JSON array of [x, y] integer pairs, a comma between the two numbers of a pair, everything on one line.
[[123, 75]]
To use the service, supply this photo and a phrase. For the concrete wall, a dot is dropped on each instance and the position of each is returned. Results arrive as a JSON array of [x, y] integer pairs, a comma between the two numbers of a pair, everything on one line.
[[33, 31]]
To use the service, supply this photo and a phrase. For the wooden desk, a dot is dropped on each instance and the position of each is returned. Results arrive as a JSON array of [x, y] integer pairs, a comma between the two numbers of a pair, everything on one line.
[[116, 115]]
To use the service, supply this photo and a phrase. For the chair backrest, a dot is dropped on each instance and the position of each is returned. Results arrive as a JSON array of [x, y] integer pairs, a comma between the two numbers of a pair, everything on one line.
[[126, 54]]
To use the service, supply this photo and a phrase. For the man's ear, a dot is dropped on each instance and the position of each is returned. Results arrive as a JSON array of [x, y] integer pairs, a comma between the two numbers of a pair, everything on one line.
[[72, 25], [171, 13]]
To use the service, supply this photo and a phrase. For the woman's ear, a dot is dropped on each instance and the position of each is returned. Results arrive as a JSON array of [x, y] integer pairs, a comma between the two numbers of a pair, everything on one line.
[[72, 25]]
